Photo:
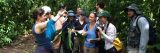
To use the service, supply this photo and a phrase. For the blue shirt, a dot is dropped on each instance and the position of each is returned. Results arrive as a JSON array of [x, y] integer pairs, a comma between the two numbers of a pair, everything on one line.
[[50, 30], [91, 34]]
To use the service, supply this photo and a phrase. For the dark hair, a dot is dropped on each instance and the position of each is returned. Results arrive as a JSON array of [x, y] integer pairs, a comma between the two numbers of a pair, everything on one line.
[[62, 6], [94, 13], [101, 4], [37, 12]]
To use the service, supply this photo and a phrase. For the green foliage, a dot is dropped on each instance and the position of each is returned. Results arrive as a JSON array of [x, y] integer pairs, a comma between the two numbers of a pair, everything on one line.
[[7, 33], [16, 18], [16, 15]]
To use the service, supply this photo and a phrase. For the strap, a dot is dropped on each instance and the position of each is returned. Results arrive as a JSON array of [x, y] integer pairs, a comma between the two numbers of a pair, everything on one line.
[[87, 26], [106, 28], [137, 23]]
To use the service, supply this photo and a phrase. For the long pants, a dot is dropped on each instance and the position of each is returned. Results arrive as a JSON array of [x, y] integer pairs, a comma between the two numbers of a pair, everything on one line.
[[56, 50], [132, 50], [111, 50], [90, 50], [42, 49], [66, 48], [101, 45], [57, 44]]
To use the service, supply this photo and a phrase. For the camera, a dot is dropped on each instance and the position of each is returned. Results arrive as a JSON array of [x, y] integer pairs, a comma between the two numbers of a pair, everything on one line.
[[101, 26]]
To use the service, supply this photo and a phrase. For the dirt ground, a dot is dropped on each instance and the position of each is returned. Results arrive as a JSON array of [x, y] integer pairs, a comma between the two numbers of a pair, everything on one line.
[[23, 44]]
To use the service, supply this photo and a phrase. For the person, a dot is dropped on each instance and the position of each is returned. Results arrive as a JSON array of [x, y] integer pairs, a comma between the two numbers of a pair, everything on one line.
[[107, 31], [89, 31], [78, 27], [43, 31], [81, 22], [47, 11], [137, 38], [67, 38], [100, 7], [51, 27], [62, 14], [78, 12]]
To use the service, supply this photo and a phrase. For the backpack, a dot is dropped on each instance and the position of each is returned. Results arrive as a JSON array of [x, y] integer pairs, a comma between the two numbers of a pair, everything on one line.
[[152, 31]]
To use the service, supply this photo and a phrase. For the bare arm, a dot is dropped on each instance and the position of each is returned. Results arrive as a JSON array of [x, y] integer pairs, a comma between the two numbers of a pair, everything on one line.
[[40, 27], [84, 33]]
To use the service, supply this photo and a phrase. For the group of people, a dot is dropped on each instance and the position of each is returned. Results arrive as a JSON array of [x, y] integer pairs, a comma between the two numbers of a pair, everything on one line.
[[96, 28]]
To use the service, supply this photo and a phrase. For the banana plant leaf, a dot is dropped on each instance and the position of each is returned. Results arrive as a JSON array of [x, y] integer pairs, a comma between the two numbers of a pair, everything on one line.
[[80, 37], [70, 44]]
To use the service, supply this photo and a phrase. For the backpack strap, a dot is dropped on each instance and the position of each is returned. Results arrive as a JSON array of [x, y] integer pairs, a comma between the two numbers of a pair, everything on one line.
[[106, 28], [137, 22], [87, 26], [137, 27]]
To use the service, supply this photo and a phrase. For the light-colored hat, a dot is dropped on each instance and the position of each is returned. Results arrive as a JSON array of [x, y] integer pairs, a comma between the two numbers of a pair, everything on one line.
[[46, 9]]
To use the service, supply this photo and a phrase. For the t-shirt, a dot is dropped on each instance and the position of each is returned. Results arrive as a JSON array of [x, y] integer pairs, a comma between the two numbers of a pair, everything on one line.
[[79, 26], [50, 30], [90, 35]]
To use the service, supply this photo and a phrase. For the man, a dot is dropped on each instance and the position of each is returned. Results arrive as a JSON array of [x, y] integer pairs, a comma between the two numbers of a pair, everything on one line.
[[67, 38], [138, 30], [78, 13], [100, 7]]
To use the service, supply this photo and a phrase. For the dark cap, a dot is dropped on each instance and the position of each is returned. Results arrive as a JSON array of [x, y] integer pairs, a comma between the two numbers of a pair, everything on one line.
[[71, 13], [105, 14]]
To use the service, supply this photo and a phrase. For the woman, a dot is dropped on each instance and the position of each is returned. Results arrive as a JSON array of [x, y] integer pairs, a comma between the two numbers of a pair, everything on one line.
[[42, 32], [89, 31], [58, 25], [108, 33], [78, 27]]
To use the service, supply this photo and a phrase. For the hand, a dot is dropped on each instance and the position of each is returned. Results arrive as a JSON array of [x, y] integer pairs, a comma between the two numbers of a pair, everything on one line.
[[60, 33], [69, 29], [73, 30], [61, 12], [100, 29], [84, 33]]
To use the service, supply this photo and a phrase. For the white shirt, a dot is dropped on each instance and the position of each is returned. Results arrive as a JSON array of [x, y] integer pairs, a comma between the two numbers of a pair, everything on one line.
[[110, 35]]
